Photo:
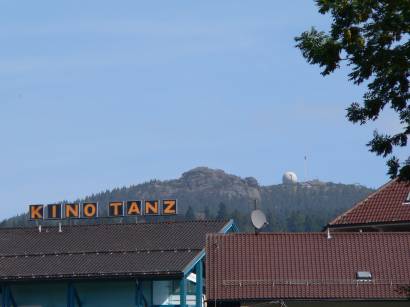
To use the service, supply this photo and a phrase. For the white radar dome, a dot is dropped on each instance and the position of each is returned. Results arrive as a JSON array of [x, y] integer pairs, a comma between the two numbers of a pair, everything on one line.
[[289, 178]]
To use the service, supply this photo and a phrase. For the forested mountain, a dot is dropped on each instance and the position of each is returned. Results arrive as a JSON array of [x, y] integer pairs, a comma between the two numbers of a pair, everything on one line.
[[204, 193]]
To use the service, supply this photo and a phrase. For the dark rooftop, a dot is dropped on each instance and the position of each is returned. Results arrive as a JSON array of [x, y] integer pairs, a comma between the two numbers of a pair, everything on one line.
[[110, 250]]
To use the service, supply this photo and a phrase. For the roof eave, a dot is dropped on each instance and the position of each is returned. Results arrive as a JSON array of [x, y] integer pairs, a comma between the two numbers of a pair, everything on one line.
[[230, 225], [370, 224], [104, 276], [318, 299]]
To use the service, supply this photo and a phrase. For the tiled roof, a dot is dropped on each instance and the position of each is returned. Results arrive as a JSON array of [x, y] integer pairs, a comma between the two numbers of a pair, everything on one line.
[[115, 250], [306, 266], [385, 205]]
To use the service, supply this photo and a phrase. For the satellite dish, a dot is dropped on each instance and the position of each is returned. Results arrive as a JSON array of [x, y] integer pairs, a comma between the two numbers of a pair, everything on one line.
[[258, 219]]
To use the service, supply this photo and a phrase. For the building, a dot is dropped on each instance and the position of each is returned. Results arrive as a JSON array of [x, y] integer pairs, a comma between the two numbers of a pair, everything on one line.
[[309, 269], [387, 209], [361, 260], [105, 265]]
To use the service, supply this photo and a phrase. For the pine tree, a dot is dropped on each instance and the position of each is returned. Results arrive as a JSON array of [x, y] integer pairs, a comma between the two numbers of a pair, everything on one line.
[[207, 213], [237, 217], [190, 214], [222, 211], [296, 221]]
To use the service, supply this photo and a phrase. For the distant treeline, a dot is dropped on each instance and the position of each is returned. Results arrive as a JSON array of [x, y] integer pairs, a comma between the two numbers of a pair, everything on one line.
[[203, 193]]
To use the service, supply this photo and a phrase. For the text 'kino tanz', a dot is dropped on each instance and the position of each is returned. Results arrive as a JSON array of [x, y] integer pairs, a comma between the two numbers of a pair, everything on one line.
[[115, 209]]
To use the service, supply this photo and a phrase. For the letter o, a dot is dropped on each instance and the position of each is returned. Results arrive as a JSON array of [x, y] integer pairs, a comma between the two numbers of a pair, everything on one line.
[[90, 210]]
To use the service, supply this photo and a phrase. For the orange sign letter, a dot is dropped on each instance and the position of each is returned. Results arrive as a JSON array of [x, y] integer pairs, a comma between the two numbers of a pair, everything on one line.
[[134, 207], [169, 206], [36, 212], [151, 207], [90, 210], [116, 208], [72, 210], [54, 211]]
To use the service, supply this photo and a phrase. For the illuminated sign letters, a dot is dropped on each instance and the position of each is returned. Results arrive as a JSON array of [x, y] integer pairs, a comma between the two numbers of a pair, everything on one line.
[[72, 211], [169, 207], [151, 207], [116, 208], [89, 210], [36, 212], [134, 207], [54, 211]]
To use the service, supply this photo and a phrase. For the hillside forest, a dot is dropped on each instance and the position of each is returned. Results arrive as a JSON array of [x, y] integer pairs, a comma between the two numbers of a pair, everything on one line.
[[204, 193]]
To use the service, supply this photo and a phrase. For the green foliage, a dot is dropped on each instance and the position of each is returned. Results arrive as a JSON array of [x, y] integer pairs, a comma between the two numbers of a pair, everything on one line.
[[301, 207], [296, 221], [296, 208], [190, 214], [371, 37], [222, 211], [207, 213]]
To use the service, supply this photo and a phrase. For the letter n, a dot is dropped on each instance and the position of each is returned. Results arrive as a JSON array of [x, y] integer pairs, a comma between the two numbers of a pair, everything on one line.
[[151, 207], [72, 211]]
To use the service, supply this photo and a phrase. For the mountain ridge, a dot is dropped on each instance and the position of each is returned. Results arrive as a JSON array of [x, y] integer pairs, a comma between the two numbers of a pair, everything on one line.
[[203, 192]]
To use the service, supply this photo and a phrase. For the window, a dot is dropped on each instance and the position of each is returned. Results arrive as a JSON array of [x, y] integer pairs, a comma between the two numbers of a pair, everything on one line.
[[363, 275], [166, 292]]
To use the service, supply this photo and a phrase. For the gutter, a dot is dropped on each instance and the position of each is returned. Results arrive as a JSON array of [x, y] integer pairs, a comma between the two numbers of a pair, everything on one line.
[[367, 225]]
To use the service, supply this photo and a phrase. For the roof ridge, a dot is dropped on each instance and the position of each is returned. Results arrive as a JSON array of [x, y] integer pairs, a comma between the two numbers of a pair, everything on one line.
[[115, 224], [334, 221], [87, 275], [336, 233], [129, 251]]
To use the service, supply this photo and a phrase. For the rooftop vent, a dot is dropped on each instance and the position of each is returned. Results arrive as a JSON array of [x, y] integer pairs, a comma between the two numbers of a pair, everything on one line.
[[363, 275], [407, 201]]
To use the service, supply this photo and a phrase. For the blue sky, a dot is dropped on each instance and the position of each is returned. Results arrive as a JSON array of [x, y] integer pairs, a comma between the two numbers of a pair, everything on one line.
[[100, 94]]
